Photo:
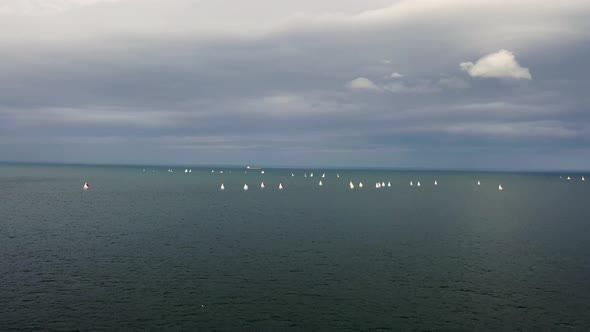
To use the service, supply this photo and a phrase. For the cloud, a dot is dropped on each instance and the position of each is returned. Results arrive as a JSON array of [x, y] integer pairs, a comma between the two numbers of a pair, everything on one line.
[[501, 64], [396, 75], [363, 83]]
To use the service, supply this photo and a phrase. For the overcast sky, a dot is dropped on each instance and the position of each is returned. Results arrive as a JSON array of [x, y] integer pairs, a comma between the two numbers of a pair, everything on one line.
[[485, 84]]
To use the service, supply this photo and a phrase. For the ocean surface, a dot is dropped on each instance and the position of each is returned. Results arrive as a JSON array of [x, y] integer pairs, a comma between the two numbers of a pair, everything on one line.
[[162, 251]]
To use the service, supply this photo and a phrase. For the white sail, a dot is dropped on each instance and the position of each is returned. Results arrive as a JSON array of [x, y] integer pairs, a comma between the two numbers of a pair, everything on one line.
[[262, 186], [500, 187], [281, 186], [212, 171], [305, 175], [292, 174], [389, 184], [321, 184], [360, 184], [222, 187], [583, 178], [435, 183], [311, 175], [377, 185], [86, 186], [478, 183], [220, 172], [190, 170], [324, 175], [418, 184], [337, 175], [186, 170], [568, 178], [383, 184], [245, 187], [411, 183], [351, 185], [261, 172]]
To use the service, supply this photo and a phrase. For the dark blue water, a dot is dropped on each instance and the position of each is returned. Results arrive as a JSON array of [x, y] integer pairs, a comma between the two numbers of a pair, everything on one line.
[[169, 251]]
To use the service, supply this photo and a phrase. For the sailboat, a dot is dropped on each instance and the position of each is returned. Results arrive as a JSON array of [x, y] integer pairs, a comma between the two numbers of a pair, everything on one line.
[[321, 184], [583, 178], [324, 175], [212, 171], [377, 185], [382, 184], [351, 185], [568, 178], [478, 183], [337, 175], [360, 184], [262, 186], [186, 170], [411, 183], [500, 187], [261, 172], [389, 184], [220, 172], [305, 175], [245, 187], [281, 186], [292, 174], [190, 170], [222, 187], [435, 183], [311, 175], [86, 186], [418, 184]]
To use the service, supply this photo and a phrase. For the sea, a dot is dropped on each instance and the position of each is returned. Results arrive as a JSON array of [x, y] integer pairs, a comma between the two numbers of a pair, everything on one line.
[[145, 249]]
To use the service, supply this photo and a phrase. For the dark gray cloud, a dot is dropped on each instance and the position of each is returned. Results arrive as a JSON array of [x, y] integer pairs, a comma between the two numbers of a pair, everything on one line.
[[296, 83]]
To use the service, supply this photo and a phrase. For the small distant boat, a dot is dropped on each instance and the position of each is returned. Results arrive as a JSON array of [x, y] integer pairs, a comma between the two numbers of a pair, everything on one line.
[[190, 170], [261, 172], [321, 184], [389, 184], [281, 186], [245, 187], [418, 184], [351, 185], [86, 186], [324, 175], [360, 184], [500, 187], [377, 185], [411, 183], [583, 178], [212, 171], [186, 170], [435, 183], [222, 187], [383, 184], [478, 183], [305, 175], [311, 175], [337, 175], [292, 174], [220, 172], [262, 186], [568, 178]]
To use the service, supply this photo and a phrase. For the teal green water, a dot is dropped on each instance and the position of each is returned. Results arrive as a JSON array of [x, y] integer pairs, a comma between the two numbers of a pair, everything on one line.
[[170, 251]]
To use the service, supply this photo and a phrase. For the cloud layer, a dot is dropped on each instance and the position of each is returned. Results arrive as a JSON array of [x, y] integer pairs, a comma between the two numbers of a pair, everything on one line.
[[373, 83]]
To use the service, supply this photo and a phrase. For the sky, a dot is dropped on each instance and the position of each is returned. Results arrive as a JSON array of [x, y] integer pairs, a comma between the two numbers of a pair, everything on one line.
[[437, 84]]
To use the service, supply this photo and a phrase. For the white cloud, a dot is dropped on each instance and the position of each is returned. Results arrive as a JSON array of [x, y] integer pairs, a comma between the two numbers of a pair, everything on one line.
[[44, 7], [396, 75], [501, 64], [363, 83]]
